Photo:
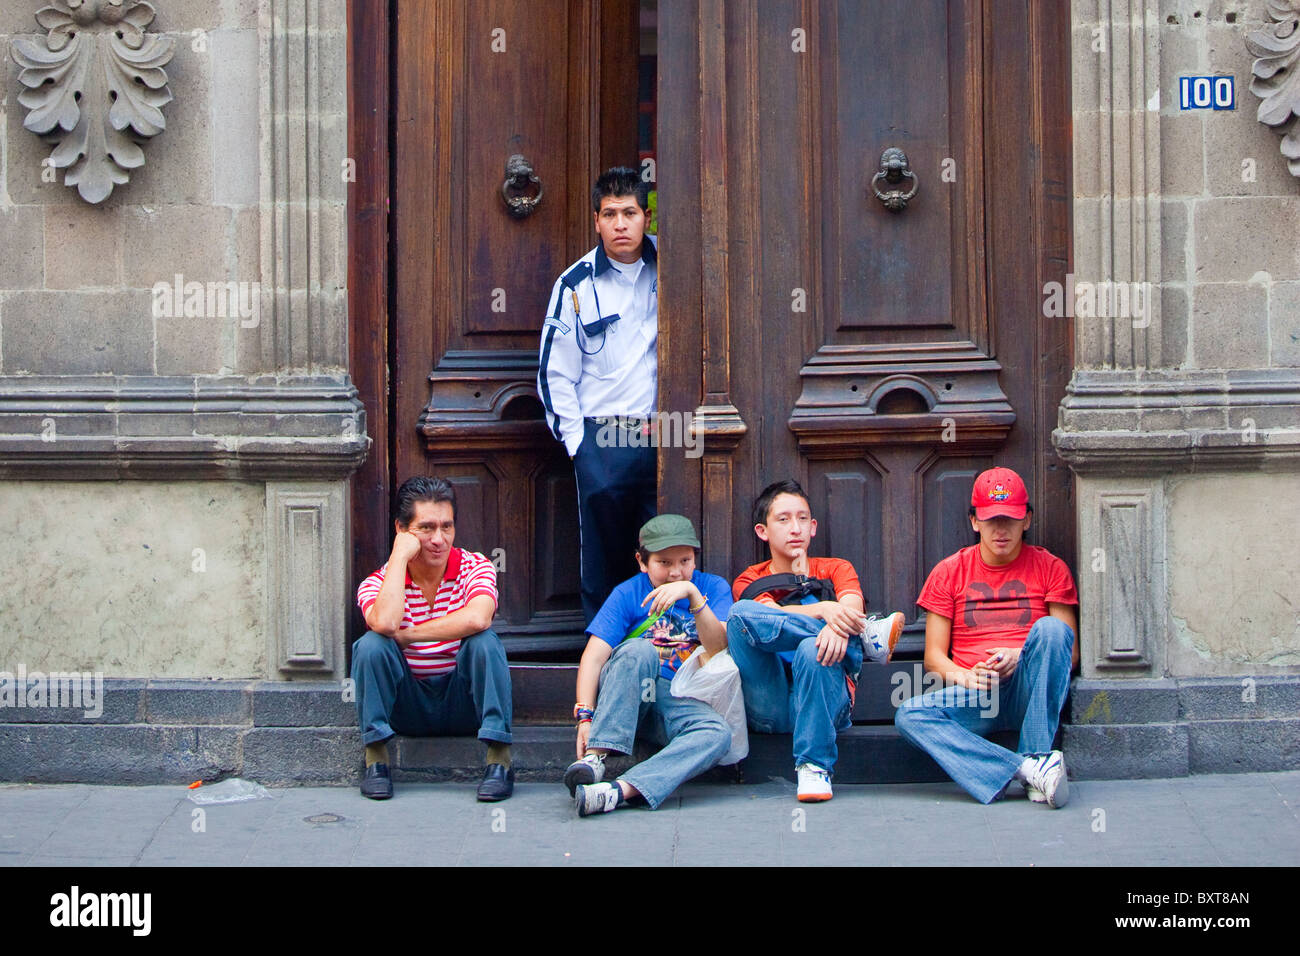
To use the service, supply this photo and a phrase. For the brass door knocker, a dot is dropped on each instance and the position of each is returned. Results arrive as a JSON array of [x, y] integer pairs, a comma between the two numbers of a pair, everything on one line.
[[893, 170], [519, 176]]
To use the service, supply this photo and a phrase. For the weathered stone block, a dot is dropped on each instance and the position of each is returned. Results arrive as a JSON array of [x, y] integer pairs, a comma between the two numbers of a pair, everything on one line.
[[1173, 240], [117, 701], [184, 16], [75, 333], [1173, 327], [1236, 238], [1182, 155], [122, 754], [1087, 236], [19, 16], [163, 241], [1230, 325], [1140, 701], [333, 75], [234, 108], [1182, 50], [302, 704], [198, 702], [192, 552], [196, 345], [1242, 746], [1087, 132], [303, 755], [1284, 324], [1239, 698], [22, 248], [83, 246], [1241, 154], [1126, 751], [1231, 575]]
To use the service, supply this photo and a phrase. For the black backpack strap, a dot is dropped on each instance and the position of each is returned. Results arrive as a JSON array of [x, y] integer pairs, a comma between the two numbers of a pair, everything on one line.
[[796, 586]]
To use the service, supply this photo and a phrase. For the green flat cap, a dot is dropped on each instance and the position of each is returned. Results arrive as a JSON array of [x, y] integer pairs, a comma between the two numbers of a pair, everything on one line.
[[667, 531]]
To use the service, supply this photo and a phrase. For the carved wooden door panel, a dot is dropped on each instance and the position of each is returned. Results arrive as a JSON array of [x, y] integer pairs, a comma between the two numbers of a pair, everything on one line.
[[881, 356], [551, 83]]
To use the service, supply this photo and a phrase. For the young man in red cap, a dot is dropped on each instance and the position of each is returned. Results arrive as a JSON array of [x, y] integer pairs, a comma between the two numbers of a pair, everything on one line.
[[1000, 631]]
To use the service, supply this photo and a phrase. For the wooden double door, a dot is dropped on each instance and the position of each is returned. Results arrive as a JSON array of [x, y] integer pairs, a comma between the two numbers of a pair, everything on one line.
[[882, 356]]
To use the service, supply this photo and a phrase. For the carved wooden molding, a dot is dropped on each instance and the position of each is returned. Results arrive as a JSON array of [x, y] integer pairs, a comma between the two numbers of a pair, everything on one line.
[[1277, 76], [941, 393], [95, 87], [720, 427], [487, 400]]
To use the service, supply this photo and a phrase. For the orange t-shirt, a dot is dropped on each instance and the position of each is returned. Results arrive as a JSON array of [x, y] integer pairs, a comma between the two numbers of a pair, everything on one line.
[[837, 570]]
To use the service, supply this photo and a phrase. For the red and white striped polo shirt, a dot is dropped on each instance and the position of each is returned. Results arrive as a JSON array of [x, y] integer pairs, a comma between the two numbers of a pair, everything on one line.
[[468, 575]]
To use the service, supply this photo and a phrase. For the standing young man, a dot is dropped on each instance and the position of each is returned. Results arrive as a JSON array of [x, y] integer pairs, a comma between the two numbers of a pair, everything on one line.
[[597, 374], [1000, 631], [430, 665], [799, 662]]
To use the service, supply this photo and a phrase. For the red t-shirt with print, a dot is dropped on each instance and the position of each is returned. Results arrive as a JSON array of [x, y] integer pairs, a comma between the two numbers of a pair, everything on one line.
[[995, 606]]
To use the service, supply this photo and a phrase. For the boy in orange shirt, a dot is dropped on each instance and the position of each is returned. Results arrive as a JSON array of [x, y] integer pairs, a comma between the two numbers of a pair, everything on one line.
[[798, 634]]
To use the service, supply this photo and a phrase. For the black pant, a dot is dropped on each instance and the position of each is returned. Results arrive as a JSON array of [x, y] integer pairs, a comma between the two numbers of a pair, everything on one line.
[[616, 496]]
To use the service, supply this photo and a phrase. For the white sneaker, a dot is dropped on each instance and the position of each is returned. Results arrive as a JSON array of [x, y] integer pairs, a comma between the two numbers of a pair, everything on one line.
[[814, 783], [597, 798], [1046, 774], [880, 635], [590, 769], [1033, 793]]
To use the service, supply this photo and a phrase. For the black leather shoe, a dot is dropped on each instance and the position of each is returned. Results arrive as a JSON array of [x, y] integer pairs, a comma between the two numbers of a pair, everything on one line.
[[498, 783], [377, 784]]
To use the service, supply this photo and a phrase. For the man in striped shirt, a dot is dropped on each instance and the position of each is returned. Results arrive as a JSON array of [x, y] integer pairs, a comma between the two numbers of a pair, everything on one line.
[[430, 665]]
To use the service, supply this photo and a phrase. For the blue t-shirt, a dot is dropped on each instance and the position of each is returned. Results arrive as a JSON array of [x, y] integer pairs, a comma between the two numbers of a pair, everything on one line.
[[674, 634]]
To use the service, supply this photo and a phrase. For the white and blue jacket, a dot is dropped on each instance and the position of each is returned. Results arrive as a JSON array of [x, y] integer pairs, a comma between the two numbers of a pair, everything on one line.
[[598, 354]]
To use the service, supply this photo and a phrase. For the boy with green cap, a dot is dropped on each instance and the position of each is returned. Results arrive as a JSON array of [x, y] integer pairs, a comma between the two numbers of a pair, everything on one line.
[[643, 632]]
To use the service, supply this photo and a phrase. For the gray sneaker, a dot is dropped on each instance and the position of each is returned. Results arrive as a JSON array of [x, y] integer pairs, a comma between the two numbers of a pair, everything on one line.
[[590, 769]]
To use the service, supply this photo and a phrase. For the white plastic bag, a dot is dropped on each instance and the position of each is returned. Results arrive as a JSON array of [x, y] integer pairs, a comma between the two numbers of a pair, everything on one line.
[[716, 683], [233, 790]]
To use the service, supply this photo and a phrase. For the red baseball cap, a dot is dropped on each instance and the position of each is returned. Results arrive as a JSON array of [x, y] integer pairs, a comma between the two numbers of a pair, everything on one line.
[[999, 492]]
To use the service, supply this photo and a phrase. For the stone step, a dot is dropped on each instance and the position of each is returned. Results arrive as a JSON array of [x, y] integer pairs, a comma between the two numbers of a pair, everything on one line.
[[543, 693], [867, 754]]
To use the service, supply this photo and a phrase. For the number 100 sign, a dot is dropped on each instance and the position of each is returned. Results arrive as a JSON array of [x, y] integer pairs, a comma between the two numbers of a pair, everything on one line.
[[1206, 92]]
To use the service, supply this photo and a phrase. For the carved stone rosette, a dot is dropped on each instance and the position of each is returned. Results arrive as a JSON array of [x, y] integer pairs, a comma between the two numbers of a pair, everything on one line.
[[1277, 76], [95, 86]]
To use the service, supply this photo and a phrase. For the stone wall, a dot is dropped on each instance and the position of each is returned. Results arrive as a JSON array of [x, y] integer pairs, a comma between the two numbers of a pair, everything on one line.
[[1183, 421], [145, 433]]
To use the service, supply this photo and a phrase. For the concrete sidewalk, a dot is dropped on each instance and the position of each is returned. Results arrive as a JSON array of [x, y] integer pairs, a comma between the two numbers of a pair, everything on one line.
[[1212, 820]]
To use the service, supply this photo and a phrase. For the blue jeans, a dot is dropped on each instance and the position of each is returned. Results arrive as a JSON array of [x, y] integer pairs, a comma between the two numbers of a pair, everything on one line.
[[472, 699], [632, 694], [948, 724], [812, 702]]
